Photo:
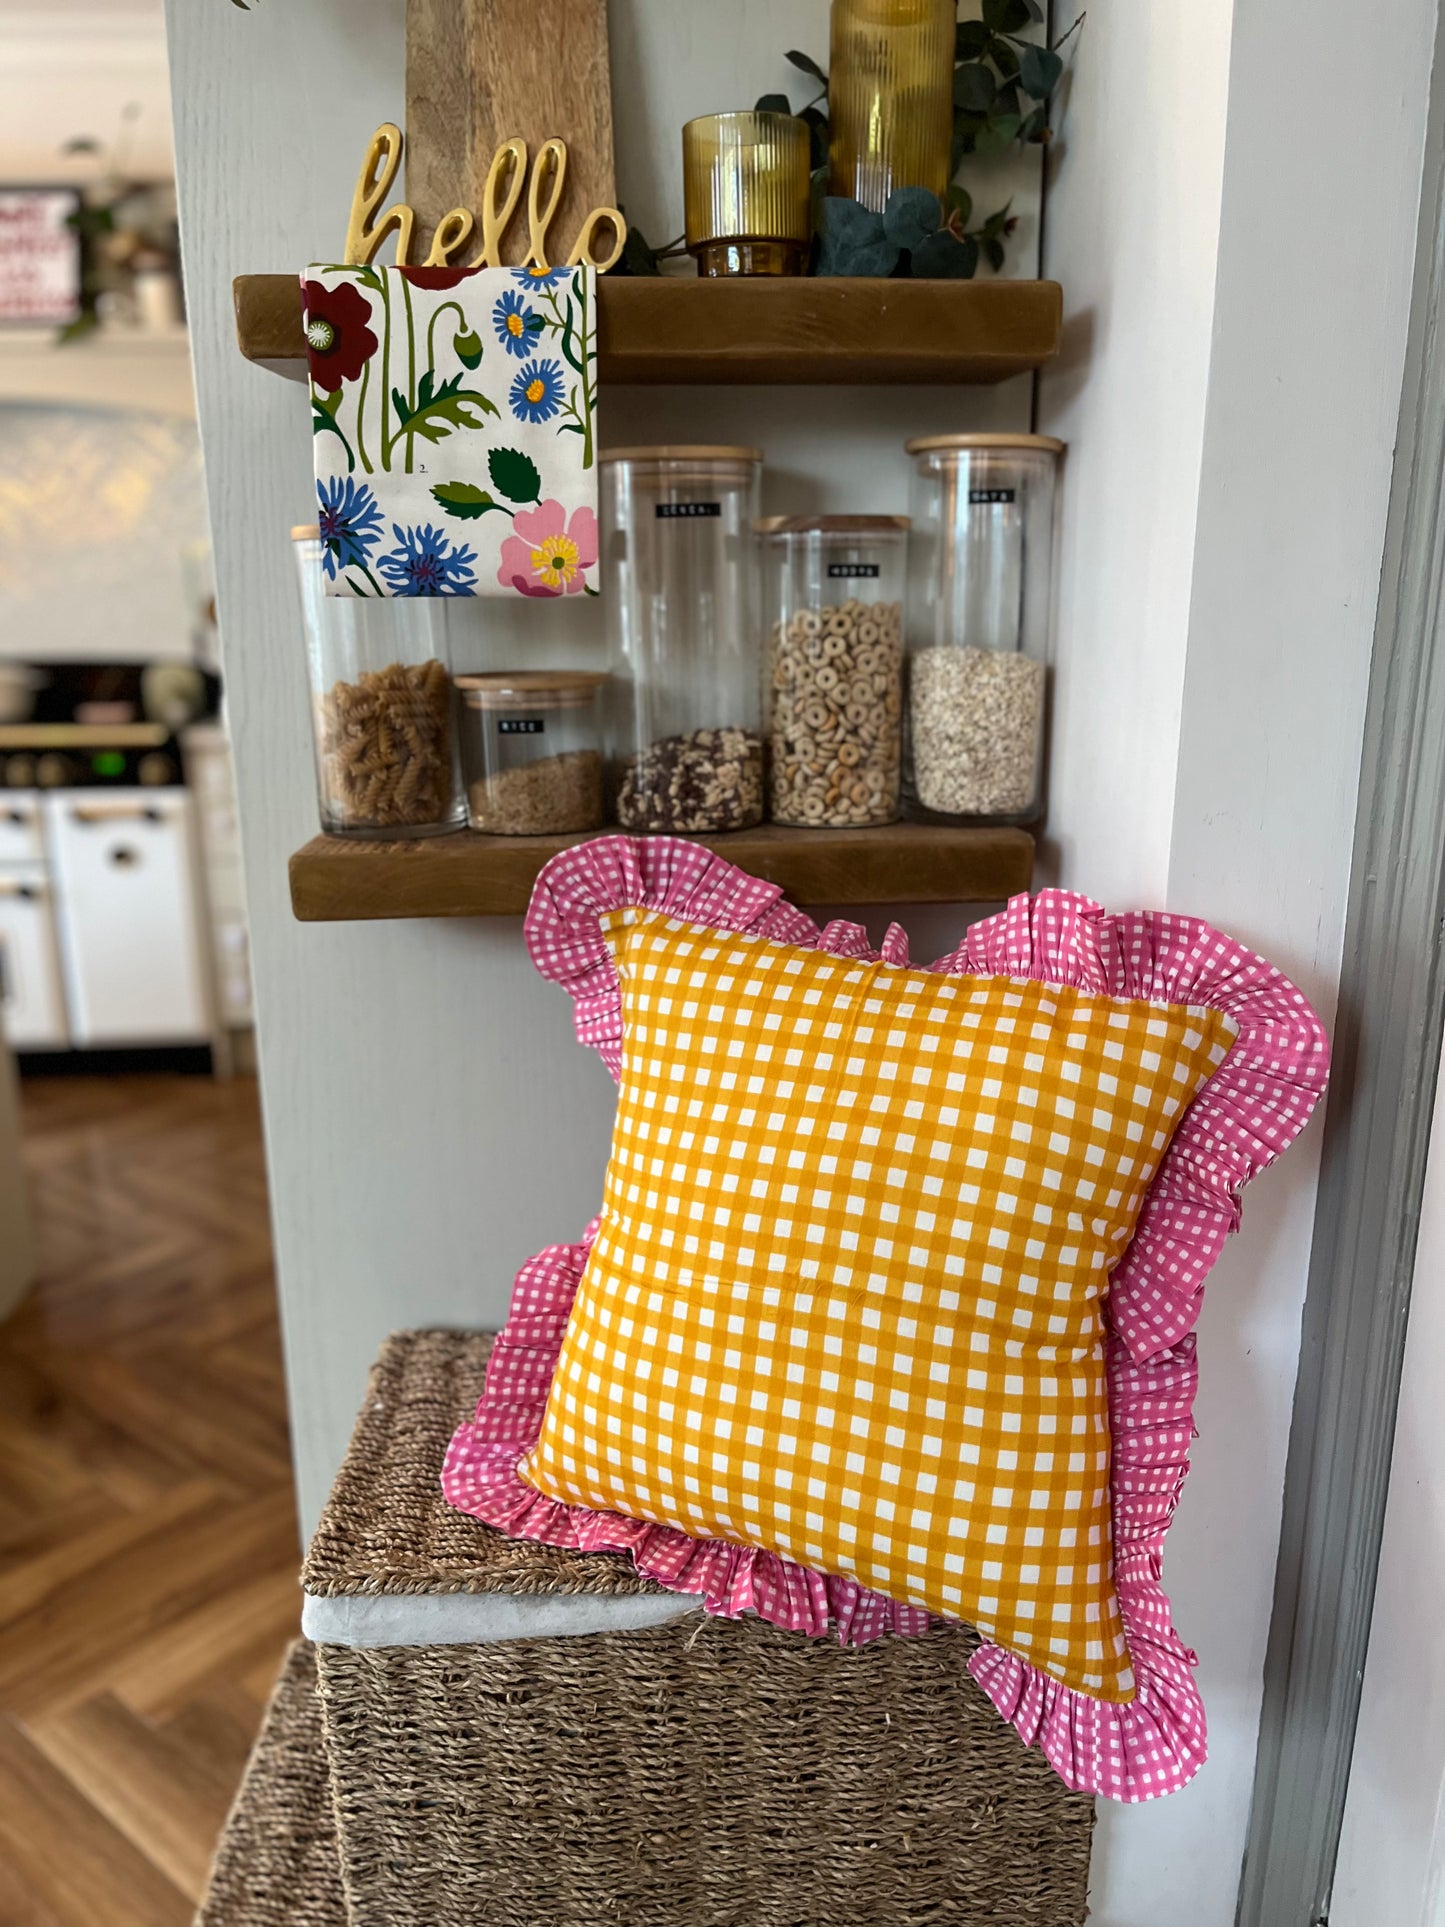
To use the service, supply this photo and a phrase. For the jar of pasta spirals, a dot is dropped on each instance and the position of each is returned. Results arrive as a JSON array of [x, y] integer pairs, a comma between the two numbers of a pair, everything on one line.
[[382, 707]]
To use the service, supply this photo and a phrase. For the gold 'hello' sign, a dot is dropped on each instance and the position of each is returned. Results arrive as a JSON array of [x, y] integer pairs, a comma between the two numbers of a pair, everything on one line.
[[508, 174]]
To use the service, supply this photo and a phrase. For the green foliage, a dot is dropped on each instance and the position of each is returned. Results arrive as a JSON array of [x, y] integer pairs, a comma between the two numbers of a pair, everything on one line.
[[638, 254], [915, 235], [515, 475]]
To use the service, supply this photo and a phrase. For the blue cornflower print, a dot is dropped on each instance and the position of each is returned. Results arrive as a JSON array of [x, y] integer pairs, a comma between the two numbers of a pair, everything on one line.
[[537, 392], [516, 324], [541, 277], [350, 523], [425, 563]]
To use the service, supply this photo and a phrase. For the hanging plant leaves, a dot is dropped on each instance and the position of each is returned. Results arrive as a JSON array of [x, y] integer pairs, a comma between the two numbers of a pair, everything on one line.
[[960, 203], [970, 40], [772, 104], [1039, 71], [993, 141], [515, 475], [464, 500], [943, 257], [853, 239], [1004, 58], [807, 66], [1035, 125], [973, 87], [1006, 16], [912, 214], [817, 124]]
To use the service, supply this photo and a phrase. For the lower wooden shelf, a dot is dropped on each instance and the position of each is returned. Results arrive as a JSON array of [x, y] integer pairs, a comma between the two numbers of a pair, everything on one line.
[[340, 880]]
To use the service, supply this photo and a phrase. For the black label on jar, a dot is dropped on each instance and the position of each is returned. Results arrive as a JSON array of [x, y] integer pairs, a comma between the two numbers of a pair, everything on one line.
[[979, 497], [687, 511], [521, 726], [868, 570]]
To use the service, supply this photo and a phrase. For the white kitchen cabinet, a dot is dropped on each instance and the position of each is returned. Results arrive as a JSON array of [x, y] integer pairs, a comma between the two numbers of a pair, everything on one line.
[[128, 916], [32, 997]]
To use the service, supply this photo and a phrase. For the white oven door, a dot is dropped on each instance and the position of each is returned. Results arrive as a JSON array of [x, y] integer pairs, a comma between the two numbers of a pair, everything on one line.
[[32, 1000], [127, 914]]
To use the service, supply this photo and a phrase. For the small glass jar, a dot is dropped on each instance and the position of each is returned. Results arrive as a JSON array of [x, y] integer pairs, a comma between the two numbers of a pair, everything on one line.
[[381, 708], [834, 668], [890, 97], [979, 593], [747, 193], [532, 751], [679, 594]]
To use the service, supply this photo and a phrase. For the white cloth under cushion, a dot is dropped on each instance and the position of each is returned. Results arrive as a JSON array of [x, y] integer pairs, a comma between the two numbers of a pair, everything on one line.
[[480, 1618]]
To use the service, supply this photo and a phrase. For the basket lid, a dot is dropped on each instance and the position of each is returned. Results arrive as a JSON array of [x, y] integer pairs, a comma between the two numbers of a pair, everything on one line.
[[530, 688], [832, 525], [306, 532], [683, 452], [921, 444]]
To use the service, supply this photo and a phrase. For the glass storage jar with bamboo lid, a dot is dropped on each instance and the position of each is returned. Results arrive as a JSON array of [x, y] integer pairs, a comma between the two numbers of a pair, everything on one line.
[[680, 600], [382, 707], [833, 675], [980, 587], [532, 750]]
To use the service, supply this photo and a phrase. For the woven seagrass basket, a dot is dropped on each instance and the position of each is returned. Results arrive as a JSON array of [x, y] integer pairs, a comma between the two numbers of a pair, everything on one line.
[[699, 1773]]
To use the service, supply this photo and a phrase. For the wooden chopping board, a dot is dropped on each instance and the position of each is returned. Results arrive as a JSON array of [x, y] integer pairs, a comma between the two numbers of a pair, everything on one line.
[[479, 72]]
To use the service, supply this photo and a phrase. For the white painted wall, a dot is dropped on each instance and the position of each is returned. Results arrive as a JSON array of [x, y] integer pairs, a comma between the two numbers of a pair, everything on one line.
[[1132, 232], [1230, 395], [430, 1120]]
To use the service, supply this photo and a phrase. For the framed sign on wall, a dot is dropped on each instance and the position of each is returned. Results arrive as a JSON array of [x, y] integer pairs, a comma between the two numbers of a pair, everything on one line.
[[40, 256]]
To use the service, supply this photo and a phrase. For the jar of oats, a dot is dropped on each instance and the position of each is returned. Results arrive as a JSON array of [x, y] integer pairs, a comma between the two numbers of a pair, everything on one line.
[[382, 708], [980, 583], [532, 750], [833, 666], [679, 595]]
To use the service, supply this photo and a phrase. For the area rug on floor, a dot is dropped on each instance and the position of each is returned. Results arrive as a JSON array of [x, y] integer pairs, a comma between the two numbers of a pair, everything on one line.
[[277, 1863]]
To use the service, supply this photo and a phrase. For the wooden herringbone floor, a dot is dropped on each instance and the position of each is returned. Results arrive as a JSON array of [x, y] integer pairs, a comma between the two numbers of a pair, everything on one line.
[[148, 1548]]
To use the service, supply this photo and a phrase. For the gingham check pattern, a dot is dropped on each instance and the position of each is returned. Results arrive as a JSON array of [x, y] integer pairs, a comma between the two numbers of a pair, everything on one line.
[[844, 1303]]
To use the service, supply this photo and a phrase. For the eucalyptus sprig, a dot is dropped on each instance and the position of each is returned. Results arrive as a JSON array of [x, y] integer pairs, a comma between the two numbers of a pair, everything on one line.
[[916, 234], [1003, 83]]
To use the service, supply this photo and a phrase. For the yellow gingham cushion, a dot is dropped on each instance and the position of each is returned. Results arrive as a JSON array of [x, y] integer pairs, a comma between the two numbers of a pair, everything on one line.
[[845, 1299]]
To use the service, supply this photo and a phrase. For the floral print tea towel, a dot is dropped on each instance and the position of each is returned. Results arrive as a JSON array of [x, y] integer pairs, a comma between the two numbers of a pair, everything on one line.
[[454, 412]]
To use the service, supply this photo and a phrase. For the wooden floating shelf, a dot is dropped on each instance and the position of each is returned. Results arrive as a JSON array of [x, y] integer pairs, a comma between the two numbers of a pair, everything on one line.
[[789, 329], [339, 879]]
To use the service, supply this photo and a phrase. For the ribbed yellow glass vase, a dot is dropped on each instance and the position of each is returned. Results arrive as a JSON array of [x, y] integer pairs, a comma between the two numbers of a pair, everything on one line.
[[890, 97], [745, 191]]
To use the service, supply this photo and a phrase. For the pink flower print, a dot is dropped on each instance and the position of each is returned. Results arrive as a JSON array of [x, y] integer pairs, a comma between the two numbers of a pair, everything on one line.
[[546, 554]]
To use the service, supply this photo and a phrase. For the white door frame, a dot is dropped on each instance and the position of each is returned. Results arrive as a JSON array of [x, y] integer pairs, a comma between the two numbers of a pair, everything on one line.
[[1391, 1867]]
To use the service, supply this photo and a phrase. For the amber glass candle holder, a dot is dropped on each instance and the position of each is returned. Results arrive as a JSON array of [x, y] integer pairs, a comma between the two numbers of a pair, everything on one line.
[[746, 192], [890, 97]]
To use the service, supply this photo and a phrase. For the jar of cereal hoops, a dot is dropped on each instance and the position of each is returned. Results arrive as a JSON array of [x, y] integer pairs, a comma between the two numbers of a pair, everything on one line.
[[833, 670]]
